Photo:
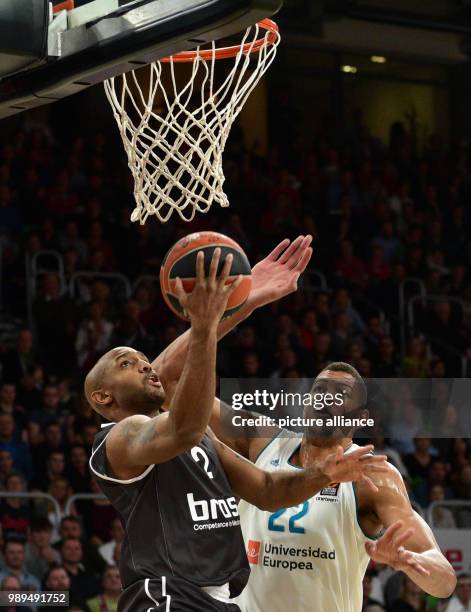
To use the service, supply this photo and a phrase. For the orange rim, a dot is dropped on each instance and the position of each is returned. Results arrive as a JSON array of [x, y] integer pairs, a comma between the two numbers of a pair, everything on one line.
[[228, 52], [68, 5]]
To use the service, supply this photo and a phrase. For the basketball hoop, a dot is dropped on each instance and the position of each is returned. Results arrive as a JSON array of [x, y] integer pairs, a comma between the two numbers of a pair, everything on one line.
[[175, 152]]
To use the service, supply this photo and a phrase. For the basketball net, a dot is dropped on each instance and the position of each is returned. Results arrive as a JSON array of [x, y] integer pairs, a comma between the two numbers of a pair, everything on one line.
[[175, 151]]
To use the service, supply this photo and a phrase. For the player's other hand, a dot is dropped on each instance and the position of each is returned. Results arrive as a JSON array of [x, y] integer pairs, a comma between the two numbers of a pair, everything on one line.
[[359, 465], [206, 304], [389, 549], [277, 275]]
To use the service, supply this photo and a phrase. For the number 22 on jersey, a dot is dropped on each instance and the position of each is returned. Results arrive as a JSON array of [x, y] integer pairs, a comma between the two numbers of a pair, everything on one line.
[[278, 520]]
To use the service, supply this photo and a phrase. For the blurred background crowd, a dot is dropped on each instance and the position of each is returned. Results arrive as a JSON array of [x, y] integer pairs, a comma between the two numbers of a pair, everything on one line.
[[389, 219]]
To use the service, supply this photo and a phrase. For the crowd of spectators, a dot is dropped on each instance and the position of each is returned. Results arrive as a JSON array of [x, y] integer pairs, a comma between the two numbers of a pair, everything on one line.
[[379, 212]]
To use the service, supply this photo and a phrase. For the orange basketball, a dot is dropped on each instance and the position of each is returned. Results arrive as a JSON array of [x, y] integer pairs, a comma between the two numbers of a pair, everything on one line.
[[180, 261]]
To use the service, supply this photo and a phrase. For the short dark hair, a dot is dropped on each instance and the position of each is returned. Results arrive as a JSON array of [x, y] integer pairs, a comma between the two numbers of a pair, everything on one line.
[[14, 474], [65, 540], [342, 366], [13, 540], [40, 523], [70, 518], [52, 567]]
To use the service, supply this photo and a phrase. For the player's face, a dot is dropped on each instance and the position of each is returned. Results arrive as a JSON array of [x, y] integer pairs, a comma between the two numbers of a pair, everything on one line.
[[134, 383], [333, 394]]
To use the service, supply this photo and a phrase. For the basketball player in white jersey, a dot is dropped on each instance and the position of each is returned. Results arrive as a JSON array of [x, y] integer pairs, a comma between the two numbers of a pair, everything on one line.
[[313, 556]]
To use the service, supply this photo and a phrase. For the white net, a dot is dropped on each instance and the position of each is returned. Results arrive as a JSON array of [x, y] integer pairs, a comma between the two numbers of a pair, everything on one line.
[[174, 134]]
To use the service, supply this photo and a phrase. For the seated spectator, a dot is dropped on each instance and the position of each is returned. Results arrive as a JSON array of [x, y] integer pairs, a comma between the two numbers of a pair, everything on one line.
[[388, 242], [51, 410], [418, 463], [411, 599], [323, 313], [117, 534], [39, 554], [93, 337], [78, 471], [463, 485], [442, 518], [53, 442], [437, 475], [152, 309], [107, 600], [85, 415], [8, 405], [461, 600], [68, 396], [30, 388], [56, 579], [13, 563], [18, 449], [308, 330], [89, 432], [391, 453], [343, 303], [322, 353], [130, 332], [386, 366], [251, 366], [71, 240], [60, 490], [83, 583], [6, 467], [286, 360], [54, 468], [369, 604], [415, 363], [71, 527], [341, 335], [15, 512], [55, 316], [17, 361], [349, 267], [376, 268], [11, 583], [98, 516]]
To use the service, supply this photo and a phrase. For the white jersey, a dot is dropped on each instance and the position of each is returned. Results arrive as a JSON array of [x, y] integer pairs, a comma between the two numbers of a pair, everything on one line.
[[308, 557]]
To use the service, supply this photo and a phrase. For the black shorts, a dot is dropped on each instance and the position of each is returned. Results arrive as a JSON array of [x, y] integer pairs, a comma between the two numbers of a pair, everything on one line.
[[169, 594]]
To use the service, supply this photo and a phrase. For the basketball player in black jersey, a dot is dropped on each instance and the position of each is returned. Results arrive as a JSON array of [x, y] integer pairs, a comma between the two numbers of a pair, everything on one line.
[[174, 485]]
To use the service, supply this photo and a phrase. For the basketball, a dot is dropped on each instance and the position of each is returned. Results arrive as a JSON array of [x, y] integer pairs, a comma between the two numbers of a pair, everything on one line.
[[180, 261]]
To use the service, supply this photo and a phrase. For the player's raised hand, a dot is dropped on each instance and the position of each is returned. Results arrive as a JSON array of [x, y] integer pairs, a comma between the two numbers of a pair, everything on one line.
[[206, 304], [389, 549], [357, 465], [277, 275]]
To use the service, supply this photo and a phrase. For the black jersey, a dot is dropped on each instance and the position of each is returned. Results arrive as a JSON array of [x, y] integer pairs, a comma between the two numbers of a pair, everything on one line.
[[181, 519]]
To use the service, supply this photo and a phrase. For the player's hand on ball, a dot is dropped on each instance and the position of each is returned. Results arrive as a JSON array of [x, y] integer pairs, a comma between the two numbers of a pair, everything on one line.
[[206, 304], [389, 549], [356, 466]]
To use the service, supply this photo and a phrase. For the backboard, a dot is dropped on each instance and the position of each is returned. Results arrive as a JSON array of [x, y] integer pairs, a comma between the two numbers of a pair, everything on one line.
[[47, 55]]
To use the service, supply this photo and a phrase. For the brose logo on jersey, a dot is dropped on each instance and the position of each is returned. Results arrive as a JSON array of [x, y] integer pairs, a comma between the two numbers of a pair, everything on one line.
[[203, 510]]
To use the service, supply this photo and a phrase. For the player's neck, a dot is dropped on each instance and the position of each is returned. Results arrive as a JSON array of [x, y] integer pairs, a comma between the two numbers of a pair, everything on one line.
[[312, 451]]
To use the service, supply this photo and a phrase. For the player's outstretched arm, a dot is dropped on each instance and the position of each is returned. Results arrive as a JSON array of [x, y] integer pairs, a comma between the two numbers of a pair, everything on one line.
[[283, 489], [272, 278], [139, 441], [408, 544]]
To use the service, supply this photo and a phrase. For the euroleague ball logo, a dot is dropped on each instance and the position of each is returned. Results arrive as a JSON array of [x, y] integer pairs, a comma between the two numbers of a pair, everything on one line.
[[187, 239], [253, 551]]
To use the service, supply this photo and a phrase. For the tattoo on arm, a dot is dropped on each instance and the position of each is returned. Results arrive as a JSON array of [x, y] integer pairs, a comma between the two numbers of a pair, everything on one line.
[[136, 434]]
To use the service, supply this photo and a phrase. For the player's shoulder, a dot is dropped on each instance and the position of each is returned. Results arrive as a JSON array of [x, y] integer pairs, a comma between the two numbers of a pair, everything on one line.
[[126, 428], [389, 482]]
